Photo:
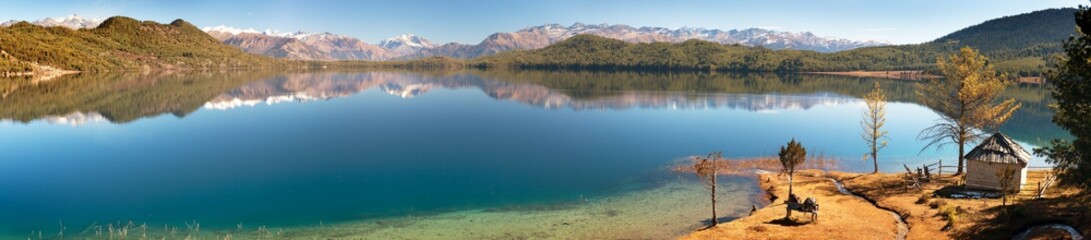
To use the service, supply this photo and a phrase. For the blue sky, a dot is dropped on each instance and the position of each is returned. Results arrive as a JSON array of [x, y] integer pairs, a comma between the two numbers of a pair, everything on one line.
[[470, 21]]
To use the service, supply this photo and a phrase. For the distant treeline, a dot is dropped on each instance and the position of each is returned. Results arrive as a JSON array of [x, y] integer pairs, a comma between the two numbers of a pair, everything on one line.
[[1020, 44], [588, 52]]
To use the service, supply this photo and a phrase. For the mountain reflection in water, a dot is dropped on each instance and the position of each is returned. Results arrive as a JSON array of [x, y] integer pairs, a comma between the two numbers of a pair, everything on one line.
[[323, 86], [81, 99]]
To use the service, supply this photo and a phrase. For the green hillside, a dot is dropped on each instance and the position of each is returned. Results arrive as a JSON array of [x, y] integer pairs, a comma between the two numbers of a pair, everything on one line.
[[1018, 44], [591, 52], [1045, 28], [120, 43]]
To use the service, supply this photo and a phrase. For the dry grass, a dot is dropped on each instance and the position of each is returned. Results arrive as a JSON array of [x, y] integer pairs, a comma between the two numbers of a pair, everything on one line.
[[841, 216], [755, 166], [940, 218], [928, 216]]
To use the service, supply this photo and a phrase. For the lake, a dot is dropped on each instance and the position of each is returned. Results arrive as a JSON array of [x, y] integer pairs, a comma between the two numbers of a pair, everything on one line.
[[465, 154]]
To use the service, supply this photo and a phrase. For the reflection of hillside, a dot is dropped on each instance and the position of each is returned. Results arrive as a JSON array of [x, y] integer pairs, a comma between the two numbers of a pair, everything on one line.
[[78, 99], [312, 86], [297, 87], [305, 87]]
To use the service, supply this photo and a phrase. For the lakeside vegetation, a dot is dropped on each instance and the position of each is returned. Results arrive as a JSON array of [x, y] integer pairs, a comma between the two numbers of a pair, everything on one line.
[[1071, 90], [969, 100]]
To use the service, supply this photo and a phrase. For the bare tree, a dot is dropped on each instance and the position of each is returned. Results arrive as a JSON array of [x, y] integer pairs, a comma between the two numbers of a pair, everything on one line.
[[966, 100], [874, 119], [707, 169]]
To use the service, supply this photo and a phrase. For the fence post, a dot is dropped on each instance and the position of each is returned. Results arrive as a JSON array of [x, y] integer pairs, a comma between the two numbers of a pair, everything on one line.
[[1039, 190], [927, 174], [940, 167]]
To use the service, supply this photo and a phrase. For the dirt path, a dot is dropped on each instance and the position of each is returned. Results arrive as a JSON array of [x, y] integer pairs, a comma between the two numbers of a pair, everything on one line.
[[903, 228]]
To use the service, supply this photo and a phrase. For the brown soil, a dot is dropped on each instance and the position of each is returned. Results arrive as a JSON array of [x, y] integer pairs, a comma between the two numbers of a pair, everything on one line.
[[976, 218], [840, 217], [847, 217]]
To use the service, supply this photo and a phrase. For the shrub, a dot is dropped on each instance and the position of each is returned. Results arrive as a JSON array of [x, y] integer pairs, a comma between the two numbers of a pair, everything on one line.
[[924, 198], [951, 215], [937, 203]]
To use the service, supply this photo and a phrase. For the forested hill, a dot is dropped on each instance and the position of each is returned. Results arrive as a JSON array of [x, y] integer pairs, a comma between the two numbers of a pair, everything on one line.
[[119, 43], [1018, 44], [1045, 27]]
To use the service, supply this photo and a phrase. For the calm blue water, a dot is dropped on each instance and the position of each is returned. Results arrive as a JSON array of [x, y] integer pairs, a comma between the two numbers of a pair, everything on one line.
[[291, 149]]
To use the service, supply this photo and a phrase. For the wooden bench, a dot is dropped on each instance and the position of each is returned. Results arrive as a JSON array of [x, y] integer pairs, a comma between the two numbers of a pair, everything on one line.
[[807, 206]]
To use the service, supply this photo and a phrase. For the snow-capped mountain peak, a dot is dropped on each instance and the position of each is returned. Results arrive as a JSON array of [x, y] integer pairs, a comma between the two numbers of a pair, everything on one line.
[[406, 40], [328, 46], [231, 30], [750, 36], [73, 21], [296, 34], [223, 29]]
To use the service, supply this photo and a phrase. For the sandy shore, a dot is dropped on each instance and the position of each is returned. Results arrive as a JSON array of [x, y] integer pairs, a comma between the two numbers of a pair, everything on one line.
[[841, 216]]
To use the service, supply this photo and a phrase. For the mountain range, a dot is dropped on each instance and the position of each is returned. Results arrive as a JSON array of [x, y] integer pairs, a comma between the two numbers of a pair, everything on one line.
[[72, 21], [327, 46], [1019, 43], [409, 46]]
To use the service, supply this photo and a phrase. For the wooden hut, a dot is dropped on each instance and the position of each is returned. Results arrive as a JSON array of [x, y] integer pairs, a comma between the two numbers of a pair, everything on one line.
[[993, 154]]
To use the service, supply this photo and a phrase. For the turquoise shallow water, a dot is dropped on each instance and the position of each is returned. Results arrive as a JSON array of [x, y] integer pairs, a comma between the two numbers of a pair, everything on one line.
[[297, 149]]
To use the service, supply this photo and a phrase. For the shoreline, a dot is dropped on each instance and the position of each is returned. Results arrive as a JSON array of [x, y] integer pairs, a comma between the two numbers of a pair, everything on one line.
[[841, 216], [665, 211], [915, 75], [867, 207], [42, 73], [925, 216]]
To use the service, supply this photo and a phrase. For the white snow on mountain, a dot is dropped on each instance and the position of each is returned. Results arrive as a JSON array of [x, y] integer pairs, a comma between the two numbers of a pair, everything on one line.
[[409, 46], [72, 21], [750, 37], [231, 30], [297, 34], [407, 40], [269, 32]]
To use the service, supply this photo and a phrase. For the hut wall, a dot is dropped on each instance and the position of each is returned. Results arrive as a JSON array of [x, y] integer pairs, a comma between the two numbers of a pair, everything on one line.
[[1023, 177], [982, 175]]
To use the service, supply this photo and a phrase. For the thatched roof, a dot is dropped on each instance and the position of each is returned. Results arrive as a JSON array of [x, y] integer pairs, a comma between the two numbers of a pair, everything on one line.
[[999, 149]]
